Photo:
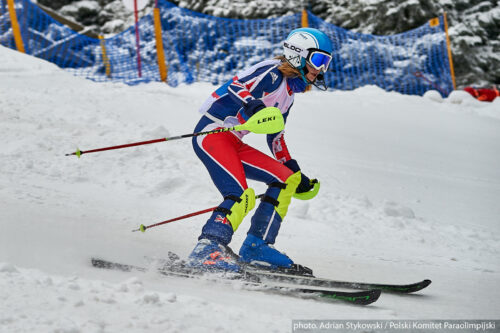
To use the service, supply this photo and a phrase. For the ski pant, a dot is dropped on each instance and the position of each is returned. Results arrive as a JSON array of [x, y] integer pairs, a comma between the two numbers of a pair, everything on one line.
[[230, 162]]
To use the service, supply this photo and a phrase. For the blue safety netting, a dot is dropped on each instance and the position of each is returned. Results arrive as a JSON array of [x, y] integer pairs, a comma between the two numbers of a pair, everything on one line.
[[199, 47], [411, 62]]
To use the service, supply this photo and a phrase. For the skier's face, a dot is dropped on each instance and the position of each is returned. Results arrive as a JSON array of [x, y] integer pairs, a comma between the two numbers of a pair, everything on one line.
[[312, 73]]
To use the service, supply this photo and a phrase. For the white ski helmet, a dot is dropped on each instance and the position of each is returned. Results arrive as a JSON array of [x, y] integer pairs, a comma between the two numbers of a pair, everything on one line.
[[308, 45]]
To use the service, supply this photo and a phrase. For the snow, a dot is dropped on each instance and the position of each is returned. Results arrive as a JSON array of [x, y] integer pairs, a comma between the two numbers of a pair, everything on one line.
[[114, 25], [80, 5], [409, 190]]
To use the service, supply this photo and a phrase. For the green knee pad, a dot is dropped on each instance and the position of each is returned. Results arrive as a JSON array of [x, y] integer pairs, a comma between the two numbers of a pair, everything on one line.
[[285, 196], [240, 209]]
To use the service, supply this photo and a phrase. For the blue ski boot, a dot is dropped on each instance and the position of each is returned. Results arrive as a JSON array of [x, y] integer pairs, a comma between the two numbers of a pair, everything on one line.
[[256, 251], [210, 256]]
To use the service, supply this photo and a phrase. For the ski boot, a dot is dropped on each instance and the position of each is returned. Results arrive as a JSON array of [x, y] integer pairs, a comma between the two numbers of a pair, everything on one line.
[[210, 256], [259, 255], [257, 252]]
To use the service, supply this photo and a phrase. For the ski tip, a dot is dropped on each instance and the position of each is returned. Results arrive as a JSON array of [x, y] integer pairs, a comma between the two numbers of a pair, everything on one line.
[[417, 286], [404, 289], [358, 298], [425, 283], [373, 296]]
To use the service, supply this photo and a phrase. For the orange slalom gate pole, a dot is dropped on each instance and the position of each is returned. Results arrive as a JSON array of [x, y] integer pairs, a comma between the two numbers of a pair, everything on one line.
[[452, 69], [105, 58], [159, 45], [15, 26], [305, 21]]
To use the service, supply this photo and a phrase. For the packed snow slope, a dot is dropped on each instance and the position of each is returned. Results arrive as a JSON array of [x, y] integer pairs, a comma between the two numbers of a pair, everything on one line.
[[410, 189]]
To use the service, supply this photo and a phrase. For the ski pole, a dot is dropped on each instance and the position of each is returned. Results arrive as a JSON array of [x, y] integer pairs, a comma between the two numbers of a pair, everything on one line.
[[143, 227], [79, 152], [267, 121]]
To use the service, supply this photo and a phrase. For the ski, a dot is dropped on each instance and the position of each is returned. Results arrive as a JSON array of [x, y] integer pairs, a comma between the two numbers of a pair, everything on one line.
[[361, 297], [312, 281]]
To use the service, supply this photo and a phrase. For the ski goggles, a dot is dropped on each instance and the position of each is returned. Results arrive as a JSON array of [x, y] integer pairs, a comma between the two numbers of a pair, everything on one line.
[[319, 59]]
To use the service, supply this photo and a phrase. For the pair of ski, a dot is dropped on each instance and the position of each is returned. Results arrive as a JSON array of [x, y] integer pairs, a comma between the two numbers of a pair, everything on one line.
[[286, 282]]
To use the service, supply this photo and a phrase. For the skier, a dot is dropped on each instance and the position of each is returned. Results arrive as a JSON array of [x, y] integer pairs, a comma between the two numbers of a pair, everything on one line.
[[270, 83]]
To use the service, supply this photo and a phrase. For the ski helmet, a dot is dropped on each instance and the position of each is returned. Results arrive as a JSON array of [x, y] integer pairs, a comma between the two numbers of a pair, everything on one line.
[[308, 45], [311, 46]]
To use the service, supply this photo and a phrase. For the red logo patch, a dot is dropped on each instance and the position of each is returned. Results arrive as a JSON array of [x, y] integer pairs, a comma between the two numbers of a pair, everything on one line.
[[223, 220]]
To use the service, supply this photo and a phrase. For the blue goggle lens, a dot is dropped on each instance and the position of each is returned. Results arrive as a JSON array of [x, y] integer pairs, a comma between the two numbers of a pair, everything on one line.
[[319, 60]]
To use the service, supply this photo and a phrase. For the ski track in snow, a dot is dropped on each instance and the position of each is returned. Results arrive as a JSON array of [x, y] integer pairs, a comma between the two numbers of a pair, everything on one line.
[[409, 190]]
